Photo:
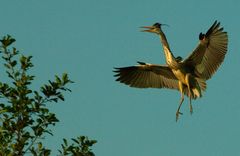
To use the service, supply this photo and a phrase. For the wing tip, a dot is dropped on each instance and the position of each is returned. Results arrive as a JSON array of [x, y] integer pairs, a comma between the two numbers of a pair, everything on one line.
[[141, 63]]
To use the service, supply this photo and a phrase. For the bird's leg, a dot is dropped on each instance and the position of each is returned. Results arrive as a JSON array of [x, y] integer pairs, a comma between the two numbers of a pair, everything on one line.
[[178, 110], [181, 100], [190, 103], [189, 80]]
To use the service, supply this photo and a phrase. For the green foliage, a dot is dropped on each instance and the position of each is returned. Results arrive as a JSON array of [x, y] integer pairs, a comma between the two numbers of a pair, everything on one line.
[[80, 147], [24, 117]]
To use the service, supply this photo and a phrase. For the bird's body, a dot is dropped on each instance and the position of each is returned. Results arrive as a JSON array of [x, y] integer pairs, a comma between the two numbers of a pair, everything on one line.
[[188, 76], [181, 75]]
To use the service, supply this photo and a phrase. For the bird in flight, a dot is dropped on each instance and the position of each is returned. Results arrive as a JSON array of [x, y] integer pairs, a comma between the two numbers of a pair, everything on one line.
[[188, 75]]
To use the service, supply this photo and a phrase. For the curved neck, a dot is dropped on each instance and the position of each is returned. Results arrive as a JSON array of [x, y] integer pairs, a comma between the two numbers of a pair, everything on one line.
[[164, 40], [170, 59]]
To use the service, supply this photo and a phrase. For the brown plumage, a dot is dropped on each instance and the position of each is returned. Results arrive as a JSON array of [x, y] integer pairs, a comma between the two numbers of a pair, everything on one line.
[[188, 76]]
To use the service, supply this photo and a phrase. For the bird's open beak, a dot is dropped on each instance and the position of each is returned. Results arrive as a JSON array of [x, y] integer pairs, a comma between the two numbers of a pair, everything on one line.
[[148, 29]]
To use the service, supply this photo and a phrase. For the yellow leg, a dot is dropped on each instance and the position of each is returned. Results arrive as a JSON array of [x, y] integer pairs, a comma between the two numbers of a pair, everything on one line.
[[181, 100], [190, 104], [189, 81]]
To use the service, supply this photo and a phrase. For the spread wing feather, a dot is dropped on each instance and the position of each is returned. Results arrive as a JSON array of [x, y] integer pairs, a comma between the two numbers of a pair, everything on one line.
[[147, 76], [210, 52]]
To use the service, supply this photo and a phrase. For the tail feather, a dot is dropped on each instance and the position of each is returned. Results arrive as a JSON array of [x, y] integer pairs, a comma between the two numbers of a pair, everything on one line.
[[202, 83], [200, 86], [196, 91]]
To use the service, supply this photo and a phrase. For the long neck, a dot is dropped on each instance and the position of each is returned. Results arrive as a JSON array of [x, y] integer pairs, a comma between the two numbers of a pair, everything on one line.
[[170, 59]]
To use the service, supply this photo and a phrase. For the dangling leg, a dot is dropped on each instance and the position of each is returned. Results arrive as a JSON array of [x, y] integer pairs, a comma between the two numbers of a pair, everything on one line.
[[190, 103], [190, 80], [181, 100]]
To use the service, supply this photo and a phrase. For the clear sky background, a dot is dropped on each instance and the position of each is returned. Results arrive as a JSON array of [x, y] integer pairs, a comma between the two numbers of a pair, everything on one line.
[[87, 38]]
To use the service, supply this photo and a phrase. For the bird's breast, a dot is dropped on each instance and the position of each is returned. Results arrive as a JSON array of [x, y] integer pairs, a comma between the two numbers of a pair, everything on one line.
[[180, 75]]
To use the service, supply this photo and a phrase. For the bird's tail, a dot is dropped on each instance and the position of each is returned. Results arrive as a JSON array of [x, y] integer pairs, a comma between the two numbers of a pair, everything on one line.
[[200, 85]]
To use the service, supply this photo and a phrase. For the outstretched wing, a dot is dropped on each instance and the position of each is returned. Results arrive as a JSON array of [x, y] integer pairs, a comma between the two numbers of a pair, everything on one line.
[[210, 52], [147, 76]]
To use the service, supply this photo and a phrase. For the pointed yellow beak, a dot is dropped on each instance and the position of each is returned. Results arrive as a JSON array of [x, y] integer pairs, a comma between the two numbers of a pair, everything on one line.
[[148, 29]]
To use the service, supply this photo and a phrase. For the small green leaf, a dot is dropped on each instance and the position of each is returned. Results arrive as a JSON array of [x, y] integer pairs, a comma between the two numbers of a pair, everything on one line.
[[75, 140], [7, 65], [65, 77], [58, 80], [61, 97], [40, 146], [13, 63], [65, 141], [3, 111], [6, 41]]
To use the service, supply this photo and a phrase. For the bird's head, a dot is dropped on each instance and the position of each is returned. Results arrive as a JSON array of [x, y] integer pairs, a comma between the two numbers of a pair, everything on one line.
[[155, 28]]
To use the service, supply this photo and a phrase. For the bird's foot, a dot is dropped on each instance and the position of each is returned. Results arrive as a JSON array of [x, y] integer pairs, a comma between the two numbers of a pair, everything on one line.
[[191, 109], [177, 115]]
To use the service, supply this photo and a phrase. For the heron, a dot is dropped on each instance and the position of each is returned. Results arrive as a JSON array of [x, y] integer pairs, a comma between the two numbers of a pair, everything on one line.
[[189, 75]]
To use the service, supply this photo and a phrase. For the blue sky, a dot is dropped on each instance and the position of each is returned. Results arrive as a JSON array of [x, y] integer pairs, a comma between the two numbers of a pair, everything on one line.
[[88, 38]]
